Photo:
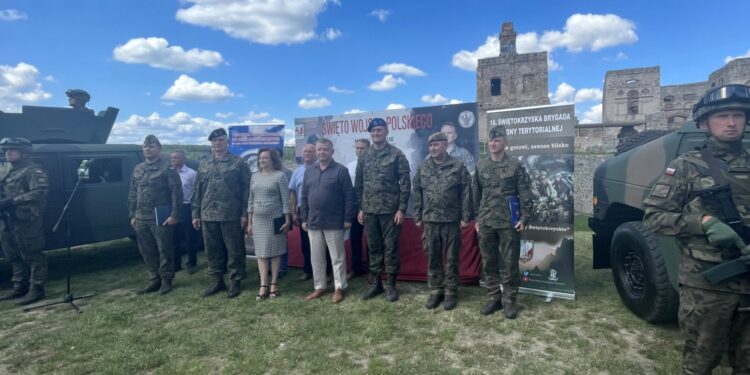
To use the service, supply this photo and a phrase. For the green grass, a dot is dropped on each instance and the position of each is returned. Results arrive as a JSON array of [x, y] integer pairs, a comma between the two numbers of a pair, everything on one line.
[[120, 332]]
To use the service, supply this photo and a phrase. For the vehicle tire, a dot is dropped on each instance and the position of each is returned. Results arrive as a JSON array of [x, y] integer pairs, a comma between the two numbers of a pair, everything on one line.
[[635, 140], [640, 274]]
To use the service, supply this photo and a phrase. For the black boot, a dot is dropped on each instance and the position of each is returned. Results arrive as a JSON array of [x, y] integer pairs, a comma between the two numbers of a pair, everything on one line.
[[35, 294], [434, 301], [216, 287], [511, 308], [376, 287], [491, 306], [19, 290], [450, 302], [152, 287], [234, 289], [166, 286], [391, 294]]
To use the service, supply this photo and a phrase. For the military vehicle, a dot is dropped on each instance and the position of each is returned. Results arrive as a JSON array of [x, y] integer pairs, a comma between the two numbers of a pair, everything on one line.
[[644, 265], [63, 138]]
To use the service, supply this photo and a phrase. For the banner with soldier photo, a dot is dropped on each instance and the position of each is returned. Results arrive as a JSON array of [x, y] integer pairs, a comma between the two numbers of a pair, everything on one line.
[[542, 138], [247, 140]]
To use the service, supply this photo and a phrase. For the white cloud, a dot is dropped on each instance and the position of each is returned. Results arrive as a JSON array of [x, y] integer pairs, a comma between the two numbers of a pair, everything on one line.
[[289, 138], [381, 14], [180, 128], [50, 78], [252, 116], [581, 32], [12, 15], [187, 88], [587, 95], [395, 106], [331, 34], [157, 52], [439, 99], [399, 68], [593, 115], [224, 115], [258, 21], [389, 82], [730, 58], [353, 111], [339, 90], [19, 85], [309, 103], [563, 94]]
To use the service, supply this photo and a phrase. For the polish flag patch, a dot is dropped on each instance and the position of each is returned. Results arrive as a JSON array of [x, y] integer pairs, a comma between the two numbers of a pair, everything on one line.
[[669, 171]]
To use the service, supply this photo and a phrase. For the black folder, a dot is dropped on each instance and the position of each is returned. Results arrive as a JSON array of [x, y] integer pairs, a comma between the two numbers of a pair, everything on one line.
[[278, 222], [161, 213]]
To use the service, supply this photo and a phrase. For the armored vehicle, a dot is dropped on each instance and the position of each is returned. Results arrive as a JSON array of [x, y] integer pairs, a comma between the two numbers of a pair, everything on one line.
[[63, 138], [644, 265]]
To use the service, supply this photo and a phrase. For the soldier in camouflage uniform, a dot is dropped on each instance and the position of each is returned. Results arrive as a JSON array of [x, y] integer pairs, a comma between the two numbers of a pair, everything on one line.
[[382, 183], [23, 189], [709, 314], [220, 209], [442, 204], [497, 179], [155, 183]]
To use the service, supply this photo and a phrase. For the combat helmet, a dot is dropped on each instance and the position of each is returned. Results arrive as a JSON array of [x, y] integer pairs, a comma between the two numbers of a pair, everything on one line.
[[723, 98], [17, 143]]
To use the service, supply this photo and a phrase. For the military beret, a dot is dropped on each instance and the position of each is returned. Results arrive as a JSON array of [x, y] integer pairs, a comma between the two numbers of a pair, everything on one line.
[[151, 139], [377, 121], [220, 132], [439, 136], [78, 92], [497, 131]]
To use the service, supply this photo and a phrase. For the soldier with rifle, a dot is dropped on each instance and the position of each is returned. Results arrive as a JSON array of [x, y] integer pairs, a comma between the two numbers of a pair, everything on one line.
[[23, 197], [703, 200]]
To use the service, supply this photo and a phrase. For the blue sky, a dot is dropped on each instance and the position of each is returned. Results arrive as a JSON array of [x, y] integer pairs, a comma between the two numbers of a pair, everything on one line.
[[180, 68]]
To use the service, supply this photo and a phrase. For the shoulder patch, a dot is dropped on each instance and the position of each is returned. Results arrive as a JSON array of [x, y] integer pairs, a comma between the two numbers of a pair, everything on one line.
[[669, 171], [661, 190]]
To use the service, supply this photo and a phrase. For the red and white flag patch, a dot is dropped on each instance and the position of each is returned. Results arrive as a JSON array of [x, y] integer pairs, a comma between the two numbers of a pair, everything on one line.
[[670, 171]]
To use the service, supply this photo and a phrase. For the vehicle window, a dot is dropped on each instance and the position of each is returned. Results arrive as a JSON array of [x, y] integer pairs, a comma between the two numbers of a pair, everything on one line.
[[104, 171]]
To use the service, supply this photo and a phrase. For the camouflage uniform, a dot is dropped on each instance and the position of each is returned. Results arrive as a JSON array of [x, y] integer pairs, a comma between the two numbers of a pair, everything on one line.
[[499, 243], [441, 200], [708, 313], [155, 184], [220, 201], [26, 184], [382, 185]]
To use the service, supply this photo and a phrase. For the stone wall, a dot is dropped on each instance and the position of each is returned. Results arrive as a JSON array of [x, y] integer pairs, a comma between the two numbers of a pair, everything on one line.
[[585, 165]]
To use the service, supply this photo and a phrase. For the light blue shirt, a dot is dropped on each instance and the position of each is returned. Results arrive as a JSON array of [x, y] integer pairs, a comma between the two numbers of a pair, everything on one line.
[[295, 183], [187, 176]]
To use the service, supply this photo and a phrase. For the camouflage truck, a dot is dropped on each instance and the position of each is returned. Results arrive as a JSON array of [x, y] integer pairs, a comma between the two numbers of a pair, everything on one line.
[[644, 265]]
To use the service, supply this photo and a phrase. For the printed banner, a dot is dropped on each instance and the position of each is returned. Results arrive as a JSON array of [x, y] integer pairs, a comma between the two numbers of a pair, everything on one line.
[[542, 138], [247, 140]]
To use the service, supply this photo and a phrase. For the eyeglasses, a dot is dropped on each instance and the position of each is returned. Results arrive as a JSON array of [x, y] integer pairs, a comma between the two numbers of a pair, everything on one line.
[[726, 92]]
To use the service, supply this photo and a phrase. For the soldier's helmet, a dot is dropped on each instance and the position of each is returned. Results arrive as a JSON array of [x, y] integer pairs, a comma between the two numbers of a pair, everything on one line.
[[78, 94], [17, 143], [722, 98]]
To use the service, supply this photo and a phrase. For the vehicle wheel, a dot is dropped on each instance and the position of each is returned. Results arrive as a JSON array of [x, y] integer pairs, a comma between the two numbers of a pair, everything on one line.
[[635, 140], [640, 274]]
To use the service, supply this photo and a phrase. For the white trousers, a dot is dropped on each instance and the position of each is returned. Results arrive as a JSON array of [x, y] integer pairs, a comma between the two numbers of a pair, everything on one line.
[[335, 240]]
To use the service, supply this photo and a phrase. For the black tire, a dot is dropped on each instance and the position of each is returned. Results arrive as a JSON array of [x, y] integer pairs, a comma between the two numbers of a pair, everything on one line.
[[640, 274], [635, 140]]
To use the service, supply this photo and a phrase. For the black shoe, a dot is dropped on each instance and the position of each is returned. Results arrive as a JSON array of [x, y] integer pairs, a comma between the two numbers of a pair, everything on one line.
[[234, 289], [191, 269], [491, 306], [166, 286], [434, 301], [17, 292], [375, 289], [391, 294], [511, 311], [216, 287], [450, 302], [35, 294], [153, 287]]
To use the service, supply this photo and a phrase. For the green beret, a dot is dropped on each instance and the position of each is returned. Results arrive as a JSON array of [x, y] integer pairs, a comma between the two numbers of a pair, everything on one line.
[[220, 132], [151, 139], [439, 136], [497, 131]]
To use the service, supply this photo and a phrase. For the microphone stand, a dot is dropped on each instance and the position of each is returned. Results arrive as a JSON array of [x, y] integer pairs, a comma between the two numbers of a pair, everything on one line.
[[68, 298]]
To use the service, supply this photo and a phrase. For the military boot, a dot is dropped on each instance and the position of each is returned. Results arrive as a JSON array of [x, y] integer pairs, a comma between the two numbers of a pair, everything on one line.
[[376, 287], [35, 294], [391, 294], [152, 287], [216, 287], [434, 301], [234, 289], [492, 305], [19, 290], [166, 286], [450, 302], [511, 308]]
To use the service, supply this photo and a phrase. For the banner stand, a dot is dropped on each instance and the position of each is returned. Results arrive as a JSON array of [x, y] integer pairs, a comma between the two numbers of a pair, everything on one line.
[[548, 294]]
